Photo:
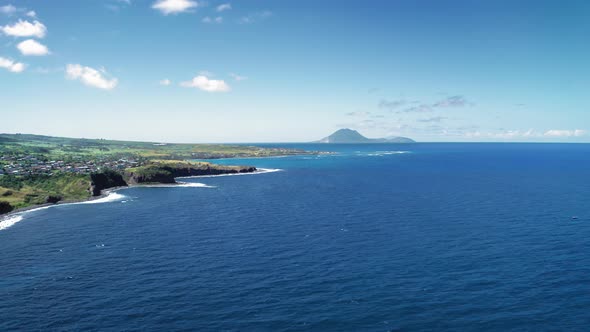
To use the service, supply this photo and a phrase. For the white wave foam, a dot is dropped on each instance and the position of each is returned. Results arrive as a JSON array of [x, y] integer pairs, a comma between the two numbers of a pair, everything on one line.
[[114, 196], [178, 184], [37, 209], [111, 197], [267, 170], [13, 219], [7, 222], [193, 185], [393, 152], [385, 153], [258, 171]]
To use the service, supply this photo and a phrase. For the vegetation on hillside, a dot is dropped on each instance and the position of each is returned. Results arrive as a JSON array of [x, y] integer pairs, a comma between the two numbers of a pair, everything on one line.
[[23, 191], [165, 171]]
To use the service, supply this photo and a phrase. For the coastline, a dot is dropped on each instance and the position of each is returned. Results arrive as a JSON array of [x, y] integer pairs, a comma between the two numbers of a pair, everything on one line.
[[106, 192], [309, 153]]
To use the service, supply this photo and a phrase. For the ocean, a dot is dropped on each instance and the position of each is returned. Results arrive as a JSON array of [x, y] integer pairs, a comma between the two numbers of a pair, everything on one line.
[[391, 237]]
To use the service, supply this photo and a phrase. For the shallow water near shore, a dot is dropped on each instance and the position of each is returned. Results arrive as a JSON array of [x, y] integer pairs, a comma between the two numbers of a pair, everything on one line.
[[417, 237]]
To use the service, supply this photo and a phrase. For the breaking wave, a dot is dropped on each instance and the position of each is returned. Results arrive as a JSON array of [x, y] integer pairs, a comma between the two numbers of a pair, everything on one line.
[[7, 222], [111, 197], [193, 185], [385, 153], [258, 171]]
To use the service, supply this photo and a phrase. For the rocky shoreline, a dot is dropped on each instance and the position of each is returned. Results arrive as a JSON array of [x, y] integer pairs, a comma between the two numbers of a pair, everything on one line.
[[102, 184]]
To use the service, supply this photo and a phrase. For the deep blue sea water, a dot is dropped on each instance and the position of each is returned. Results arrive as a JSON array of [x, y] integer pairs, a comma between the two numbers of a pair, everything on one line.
[[447, 237]]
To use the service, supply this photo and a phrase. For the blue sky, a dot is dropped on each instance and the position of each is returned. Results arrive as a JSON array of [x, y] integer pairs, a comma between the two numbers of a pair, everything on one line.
[[268, 71]]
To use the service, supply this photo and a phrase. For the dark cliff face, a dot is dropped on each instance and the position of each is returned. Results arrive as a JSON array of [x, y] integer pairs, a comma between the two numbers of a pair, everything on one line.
[[5, 207], [53, 199], [159, 173], [150, 175], [168, 173], [162, 172], [105, 180]]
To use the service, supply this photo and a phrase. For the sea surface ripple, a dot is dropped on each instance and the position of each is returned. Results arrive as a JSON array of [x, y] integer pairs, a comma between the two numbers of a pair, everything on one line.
[[422, 237]]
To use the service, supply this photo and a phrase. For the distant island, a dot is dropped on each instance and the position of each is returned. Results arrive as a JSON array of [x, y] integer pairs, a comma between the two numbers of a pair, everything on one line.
[[352, 136], [36, 170]]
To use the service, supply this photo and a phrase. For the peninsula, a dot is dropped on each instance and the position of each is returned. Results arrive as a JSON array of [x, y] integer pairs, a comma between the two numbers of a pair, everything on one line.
[[38, 170]]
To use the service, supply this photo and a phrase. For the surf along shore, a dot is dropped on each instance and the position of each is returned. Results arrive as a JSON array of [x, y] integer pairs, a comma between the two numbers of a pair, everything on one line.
[[100, 184], [108, 195], [105, 193]]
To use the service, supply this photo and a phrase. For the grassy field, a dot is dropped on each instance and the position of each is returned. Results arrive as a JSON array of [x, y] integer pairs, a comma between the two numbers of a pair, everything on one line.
[[62, 148], [26, 191]]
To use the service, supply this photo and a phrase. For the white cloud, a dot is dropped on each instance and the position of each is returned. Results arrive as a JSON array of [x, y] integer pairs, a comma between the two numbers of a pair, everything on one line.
[[203, 83], [255, 17], [525, 135], [206, 73], [453, 101], [48, 70], [237, 77], [118, 5], [32, 47], [165, 82], [434, 119], [10, 65], [422, 108], [8, 9], [358, 113], [564, 133], [90, 77], [31, 13], [504, 134], [208, 19], [174, 6], [222, 7], [25, 29], [391, 104]]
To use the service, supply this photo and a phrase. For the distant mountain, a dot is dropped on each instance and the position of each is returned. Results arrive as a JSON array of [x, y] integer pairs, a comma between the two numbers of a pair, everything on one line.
[[353, 136]]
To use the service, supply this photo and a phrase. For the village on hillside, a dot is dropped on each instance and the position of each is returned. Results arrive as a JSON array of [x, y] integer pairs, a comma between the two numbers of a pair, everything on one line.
[[28, 164]]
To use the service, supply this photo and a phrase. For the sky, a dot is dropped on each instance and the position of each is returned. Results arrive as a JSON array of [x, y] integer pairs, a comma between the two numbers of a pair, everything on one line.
[[295, 71]]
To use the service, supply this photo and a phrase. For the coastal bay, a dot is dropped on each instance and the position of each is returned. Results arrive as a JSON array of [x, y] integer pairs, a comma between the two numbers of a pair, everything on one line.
[[38, 170]]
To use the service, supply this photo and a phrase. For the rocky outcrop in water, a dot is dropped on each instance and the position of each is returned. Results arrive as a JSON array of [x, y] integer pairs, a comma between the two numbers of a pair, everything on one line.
[[104, 180], [166, 172]]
